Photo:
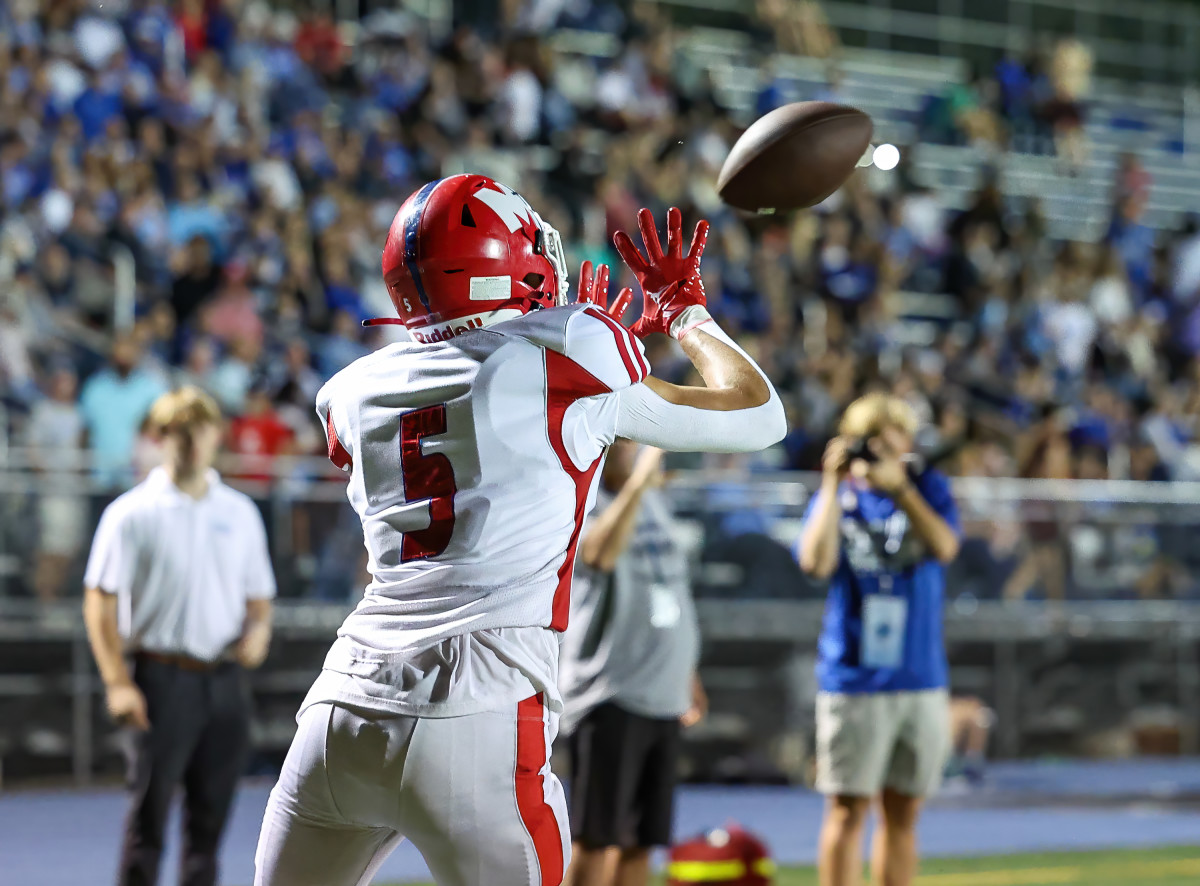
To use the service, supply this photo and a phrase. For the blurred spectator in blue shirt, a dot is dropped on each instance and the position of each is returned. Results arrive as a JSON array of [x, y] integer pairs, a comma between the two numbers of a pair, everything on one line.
[[18, 178], [1016, 88], [95, 106], [342, 346], [148, 28], [231, 380], [192, 215], [1135, 241], [341, 293], [114, 402]]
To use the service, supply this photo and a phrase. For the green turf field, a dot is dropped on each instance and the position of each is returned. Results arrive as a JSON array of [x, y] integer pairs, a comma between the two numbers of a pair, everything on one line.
[[1153, 867]]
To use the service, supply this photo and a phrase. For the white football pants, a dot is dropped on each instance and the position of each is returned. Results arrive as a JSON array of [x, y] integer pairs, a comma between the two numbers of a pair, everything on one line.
[[475, 794]]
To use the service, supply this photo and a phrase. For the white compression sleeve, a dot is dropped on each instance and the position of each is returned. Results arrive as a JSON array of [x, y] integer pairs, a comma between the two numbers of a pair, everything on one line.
[[644, 416]]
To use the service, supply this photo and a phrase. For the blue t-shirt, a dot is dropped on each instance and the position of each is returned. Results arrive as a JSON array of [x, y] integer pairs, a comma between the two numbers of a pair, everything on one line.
[[880, 554], [113, 409]]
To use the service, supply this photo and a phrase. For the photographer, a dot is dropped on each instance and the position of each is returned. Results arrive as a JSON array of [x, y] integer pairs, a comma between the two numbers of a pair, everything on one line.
[[882, 529]]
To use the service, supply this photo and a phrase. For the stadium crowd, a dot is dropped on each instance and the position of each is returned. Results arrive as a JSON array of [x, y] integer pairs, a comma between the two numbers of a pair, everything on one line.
[[250, 162]]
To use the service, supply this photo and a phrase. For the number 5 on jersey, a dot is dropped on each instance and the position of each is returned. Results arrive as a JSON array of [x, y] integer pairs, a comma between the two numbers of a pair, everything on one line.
[[426, 476]]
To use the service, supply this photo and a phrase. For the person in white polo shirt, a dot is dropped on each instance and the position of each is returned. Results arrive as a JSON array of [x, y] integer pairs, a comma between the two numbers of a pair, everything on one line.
[[177, 604]]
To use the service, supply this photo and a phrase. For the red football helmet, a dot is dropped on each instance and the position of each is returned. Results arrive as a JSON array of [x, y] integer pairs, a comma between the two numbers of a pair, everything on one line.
[[727, 856], [465, 252]]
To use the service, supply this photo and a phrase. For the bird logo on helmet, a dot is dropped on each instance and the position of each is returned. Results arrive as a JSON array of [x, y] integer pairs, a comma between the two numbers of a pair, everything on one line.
[[466, 252]]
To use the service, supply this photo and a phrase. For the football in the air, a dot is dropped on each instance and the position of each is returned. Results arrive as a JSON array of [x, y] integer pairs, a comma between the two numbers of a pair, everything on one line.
[[795, 156]]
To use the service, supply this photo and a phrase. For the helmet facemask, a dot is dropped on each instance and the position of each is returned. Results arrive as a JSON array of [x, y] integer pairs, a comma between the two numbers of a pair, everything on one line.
[[551, 248]]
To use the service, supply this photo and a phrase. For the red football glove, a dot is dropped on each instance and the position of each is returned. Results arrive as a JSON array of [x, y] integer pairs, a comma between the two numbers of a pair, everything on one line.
[[594, 290], [670, 282]]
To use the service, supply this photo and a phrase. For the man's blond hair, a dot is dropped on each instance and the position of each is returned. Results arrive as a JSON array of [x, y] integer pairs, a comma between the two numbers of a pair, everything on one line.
[[871, 413], [185, 408]]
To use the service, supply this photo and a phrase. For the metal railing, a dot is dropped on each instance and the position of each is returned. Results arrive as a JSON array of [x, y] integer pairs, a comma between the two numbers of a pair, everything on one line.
[[124, 287], [1024, 539]]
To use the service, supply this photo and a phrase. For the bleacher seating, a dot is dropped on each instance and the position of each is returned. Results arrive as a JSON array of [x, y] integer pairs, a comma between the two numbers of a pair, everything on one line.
[[894, 87]]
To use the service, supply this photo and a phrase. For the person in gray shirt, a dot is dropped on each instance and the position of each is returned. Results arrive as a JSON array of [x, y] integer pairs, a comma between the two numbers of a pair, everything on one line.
[[628, 674]]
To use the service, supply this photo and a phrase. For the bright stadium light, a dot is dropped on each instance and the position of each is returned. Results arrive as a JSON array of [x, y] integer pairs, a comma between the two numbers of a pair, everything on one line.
[[886, 157]]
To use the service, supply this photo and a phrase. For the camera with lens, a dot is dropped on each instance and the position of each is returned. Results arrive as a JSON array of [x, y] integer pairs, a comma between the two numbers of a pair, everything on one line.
[[860, 449]]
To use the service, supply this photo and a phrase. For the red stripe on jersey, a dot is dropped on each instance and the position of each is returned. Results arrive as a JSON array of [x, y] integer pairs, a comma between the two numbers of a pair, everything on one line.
[[337, 452], [566, 382], [536, 814], [637, 371], [641, 358], [625, 337]]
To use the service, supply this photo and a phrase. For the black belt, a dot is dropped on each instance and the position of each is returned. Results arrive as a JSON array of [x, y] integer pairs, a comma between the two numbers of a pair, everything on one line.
[[183, 662]]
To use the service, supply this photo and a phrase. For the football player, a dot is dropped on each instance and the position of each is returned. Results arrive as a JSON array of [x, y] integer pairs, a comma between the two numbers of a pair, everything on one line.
[[472, 455]]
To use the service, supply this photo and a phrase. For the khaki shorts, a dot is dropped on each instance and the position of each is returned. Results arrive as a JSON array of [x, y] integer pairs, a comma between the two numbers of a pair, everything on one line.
[[61, 519], [869, 741]]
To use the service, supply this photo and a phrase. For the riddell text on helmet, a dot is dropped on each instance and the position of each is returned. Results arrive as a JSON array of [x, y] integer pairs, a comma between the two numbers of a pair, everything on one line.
[[434, 333], [458, 327]]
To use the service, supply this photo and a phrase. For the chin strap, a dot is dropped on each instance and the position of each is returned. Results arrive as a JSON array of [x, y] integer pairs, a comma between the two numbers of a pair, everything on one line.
[[524, 304]]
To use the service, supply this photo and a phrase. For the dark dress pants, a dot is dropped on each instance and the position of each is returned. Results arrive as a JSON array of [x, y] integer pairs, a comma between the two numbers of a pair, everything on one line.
[[198, 739]]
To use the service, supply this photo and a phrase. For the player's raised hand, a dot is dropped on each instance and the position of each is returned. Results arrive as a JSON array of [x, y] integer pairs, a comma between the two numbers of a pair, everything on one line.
[[670, 280], [593, 289]]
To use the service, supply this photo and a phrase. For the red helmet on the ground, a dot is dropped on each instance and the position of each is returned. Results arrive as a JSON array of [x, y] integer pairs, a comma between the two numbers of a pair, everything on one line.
[[465, 252], [726, 856]]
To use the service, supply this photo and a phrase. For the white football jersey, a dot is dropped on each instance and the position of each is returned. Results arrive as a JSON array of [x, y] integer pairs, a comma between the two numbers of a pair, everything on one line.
[[472, 463]]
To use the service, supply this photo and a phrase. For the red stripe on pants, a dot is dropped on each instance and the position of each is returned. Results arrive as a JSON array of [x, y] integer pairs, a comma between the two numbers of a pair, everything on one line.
[[536, 813]]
